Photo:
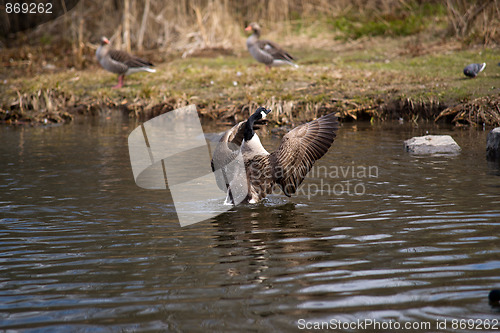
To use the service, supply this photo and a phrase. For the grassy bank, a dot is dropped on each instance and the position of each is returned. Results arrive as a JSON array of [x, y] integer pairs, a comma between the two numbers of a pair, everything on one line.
[[367, 78]]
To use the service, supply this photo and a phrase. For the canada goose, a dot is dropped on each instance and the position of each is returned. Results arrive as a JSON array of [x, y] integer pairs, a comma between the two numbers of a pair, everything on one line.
[[120, 62], [265, 51], [286, 167], [473, 69]]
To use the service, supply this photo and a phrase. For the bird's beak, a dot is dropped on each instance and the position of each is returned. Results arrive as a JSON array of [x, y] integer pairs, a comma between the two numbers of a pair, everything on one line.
[[105, 40], [249, 28], [264, 113]]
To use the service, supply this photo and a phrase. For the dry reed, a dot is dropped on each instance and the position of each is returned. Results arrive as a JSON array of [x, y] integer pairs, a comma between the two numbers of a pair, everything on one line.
[[475, 19], [190, 25]]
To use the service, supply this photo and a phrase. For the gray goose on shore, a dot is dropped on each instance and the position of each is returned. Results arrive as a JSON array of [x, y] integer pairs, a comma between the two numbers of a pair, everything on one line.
[[473, 69], [120, 62], [287, 166], [265, 51]]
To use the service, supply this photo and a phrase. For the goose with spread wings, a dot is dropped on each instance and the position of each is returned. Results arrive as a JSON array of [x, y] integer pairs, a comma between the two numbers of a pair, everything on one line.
[[120, 62], [266, 51], [286, 167]]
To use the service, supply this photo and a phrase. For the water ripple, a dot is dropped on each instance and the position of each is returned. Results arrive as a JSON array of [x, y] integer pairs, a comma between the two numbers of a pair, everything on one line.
[[83, 249]]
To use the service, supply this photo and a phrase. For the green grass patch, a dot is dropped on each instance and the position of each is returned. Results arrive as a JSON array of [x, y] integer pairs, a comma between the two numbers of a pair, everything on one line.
[[406, 21]]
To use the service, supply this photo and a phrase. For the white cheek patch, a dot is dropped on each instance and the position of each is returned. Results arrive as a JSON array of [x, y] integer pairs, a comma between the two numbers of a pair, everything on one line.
[[263, 114]]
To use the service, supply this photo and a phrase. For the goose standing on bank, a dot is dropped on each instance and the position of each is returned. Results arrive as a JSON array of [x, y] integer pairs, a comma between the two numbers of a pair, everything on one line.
[[265, 51], [120, 62], [287, 166]]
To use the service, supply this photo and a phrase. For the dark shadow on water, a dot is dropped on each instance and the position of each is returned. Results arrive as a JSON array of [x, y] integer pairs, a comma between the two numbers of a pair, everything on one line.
[[256, 242], [266, 214], [494, 167]]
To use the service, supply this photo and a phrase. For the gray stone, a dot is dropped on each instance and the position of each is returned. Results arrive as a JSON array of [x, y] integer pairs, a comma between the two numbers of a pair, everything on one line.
[[432, 144], [493, 144]]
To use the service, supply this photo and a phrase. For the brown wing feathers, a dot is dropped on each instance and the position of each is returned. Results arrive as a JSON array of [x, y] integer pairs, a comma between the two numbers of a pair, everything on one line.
[[274, 49], [128, 59], [299, 150]]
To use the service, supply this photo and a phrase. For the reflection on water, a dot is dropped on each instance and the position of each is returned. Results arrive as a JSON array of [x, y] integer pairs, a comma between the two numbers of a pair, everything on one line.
[[82, 248]]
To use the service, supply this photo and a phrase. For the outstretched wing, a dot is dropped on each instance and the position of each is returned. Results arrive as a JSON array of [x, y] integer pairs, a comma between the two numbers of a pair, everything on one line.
[[226, 151], [230, 143], [228, 148], [299, 149]]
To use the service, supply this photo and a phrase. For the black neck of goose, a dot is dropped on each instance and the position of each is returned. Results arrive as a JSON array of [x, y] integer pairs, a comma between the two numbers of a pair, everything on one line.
[[249, 132]]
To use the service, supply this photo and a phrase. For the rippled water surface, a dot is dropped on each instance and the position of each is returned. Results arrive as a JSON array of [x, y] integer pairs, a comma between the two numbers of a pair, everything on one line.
[[402, 239]]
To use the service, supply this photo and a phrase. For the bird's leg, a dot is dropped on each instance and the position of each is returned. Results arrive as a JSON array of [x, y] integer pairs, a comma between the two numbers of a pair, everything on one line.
[[120, 82], [267, 68]]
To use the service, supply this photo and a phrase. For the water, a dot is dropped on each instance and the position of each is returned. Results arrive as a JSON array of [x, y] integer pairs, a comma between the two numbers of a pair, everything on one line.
[[82, 248]]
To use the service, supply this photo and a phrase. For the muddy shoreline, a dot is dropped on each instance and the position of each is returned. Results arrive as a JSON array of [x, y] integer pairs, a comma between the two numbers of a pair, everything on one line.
[[52, 106], [375, 79]]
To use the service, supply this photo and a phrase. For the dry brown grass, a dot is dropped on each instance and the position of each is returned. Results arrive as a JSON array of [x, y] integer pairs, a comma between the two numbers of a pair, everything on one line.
[[357, 77], [469, 19], [483, 110], [188, 26]]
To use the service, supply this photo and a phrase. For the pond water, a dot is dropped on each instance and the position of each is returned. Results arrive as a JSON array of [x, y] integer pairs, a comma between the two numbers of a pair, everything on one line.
[[410, 240]]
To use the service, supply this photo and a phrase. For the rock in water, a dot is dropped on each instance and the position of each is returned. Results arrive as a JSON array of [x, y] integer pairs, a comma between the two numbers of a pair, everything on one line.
[[493, 144], [432, 144]]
